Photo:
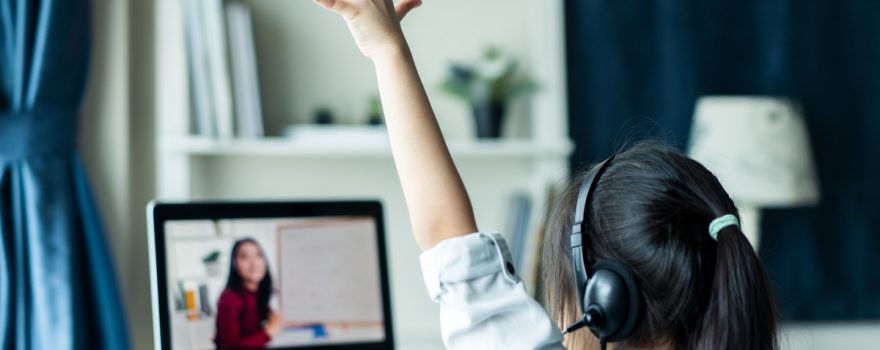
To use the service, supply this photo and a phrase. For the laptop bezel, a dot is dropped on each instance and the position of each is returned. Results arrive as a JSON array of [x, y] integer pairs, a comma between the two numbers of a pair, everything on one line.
[[160, 212]]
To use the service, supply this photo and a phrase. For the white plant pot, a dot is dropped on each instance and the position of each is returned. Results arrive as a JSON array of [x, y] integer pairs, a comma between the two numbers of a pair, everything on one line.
[[213, 268]]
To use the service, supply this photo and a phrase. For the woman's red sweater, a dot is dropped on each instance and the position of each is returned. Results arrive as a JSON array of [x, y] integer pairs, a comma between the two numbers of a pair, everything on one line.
[[238, 321]]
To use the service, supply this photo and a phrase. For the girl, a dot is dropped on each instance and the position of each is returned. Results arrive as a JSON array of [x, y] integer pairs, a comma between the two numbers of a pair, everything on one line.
[[657, 251], [243, 306]]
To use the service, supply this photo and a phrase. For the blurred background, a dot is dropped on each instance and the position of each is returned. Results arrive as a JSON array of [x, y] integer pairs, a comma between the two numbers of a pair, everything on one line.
[[270, 99]]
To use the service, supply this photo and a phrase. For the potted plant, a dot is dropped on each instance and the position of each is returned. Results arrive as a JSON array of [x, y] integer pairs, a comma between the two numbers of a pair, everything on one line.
[[212, 263], [374, 111], [488, 87]]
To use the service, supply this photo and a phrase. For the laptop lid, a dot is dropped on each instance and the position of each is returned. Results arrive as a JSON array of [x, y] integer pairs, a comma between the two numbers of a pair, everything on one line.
[[277, 275]]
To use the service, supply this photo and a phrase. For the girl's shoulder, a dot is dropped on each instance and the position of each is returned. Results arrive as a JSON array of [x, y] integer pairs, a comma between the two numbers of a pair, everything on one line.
[[229, 297]]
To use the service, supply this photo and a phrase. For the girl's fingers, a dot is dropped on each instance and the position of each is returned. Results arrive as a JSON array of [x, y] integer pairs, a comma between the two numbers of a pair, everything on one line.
[[403, 7], [341, 7], [327, 4]]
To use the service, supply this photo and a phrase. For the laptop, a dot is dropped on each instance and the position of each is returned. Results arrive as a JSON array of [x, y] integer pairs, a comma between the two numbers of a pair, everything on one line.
[[274, 275]]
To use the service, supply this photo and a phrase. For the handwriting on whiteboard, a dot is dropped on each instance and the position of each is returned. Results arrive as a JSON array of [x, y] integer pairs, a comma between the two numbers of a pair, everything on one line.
[[329, 271]]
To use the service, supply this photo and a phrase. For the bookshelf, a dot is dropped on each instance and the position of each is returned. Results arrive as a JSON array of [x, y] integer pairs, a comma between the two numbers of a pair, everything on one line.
[[306, 58], [195, 146]]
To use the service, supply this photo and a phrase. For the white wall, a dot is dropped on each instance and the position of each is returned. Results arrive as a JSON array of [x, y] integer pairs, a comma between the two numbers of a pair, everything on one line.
[[141, 165], [105, 142], [304, 52], [116, 145], [104, 139]]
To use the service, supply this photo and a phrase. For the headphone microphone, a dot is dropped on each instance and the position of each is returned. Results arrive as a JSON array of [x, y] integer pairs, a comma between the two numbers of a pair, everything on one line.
[[607, 291], [592, 317], [575, 326]]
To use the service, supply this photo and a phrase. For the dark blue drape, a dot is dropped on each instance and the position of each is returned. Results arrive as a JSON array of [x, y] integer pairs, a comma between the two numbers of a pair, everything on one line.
[[638, 63], [57, 285]]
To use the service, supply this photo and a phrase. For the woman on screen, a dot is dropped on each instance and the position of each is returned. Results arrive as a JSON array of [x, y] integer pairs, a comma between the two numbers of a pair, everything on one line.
[[244, 319]]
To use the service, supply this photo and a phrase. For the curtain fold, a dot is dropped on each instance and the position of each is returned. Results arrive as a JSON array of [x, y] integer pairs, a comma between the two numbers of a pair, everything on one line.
[[58, 288], [636, 68]]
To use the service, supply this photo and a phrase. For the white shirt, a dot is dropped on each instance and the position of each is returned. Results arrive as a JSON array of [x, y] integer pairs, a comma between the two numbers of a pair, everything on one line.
[[483, 304]]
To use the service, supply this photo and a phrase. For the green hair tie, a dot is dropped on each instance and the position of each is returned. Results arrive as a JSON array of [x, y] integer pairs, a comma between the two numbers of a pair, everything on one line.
[[721, 222]]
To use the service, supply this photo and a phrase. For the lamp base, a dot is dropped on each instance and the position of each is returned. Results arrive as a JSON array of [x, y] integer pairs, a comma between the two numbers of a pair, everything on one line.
[[750, 217]]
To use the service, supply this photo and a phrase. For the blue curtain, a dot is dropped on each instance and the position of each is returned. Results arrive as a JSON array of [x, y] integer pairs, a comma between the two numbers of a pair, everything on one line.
[[636, 65], [57, 285]]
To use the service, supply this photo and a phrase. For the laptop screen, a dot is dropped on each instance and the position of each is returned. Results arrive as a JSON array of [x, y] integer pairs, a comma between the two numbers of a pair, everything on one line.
[[273, 282]]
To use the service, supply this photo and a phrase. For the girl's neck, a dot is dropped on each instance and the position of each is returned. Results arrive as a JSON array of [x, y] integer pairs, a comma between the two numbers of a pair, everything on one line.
[[251, 286]]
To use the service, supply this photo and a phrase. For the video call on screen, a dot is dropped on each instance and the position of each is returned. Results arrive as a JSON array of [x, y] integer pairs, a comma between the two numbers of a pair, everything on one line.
[[313, 265]]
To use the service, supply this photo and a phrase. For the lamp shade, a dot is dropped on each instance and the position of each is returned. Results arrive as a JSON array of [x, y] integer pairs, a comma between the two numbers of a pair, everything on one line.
[[758, 147]]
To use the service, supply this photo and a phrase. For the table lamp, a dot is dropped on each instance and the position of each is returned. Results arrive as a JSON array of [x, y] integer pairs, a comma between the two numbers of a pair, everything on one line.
[[759, 149]]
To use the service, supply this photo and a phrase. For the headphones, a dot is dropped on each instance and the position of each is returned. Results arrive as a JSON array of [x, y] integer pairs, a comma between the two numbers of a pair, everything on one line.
[[607, 291]]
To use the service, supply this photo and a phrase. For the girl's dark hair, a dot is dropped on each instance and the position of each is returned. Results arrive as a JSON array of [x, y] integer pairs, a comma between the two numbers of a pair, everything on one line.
[[651, 210], [264, 291]]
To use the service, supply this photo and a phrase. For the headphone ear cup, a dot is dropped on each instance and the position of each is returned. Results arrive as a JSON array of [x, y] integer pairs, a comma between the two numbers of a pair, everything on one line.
[[612, 289]]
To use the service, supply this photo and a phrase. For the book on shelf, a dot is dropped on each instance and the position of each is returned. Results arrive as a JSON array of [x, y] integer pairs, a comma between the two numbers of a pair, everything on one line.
[[194, 299], [518, 228], [197, 57], [224, 85], [204, 302], [179, 294], [553, 193], [215, 39], [192, 305], [243, 58], [526, 232]]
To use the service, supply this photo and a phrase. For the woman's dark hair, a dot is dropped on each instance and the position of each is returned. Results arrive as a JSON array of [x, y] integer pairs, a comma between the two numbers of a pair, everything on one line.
[[651, 210], [264, 291]]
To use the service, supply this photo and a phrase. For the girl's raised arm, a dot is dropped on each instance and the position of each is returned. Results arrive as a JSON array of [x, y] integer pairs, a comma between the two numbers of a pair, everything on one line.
[[437, 201]]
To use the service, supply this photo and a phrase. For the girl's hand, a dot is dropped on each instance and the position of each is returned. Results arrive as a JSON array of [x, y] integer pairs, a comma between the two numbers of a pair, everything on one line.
[[274, 323], [375, 24]]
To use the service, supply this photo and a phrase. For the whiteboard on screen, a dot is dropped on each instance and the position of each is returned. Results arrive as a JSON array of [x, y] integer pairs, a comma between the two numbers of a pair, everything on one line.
[[330, 271]]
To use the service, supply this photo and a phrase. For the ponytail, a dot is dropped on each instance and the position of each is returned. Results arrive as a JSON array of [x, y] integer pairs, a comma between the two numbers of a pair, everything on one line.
[[741, 313]]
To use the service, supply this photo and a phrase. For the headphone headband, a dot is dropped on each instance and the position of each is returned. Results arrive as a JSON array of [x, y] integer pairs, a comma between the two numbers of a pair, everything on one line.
[[608, 292], [581, 273], [586, 193]]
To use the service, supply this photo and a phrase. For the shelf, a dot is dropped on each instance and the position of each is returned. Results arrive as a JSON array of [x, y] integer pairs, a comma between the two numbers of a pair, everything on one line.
[[276, 146], [201, 279]]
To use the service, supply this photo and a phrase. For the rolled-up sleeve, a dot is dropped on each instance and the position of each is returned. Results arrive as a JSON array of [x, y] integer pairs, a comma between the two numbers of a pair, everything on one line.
[[483, 304]]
